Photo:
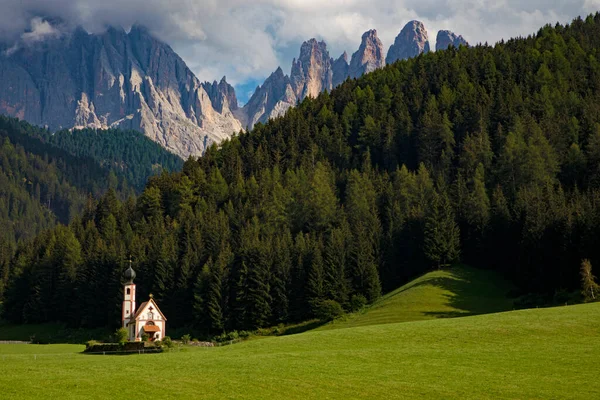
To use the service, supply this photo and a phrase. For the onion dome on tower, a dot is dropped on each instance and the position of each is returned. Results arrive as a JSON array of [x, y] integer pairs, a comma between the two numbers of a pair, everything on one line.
[[129, 274]]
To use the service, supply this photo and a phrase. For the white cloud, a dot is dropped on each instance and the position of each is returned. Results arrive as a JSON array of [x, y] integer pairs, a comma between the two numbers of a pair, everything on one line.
[[40, 30], [247, 40]]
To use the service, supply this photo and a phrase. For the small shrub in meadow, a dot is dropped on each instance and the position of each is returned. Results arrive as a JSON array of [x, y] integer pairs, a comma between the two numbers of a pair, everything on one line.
[[357, 302], [328, 310], [121, 335], [167, 342], [185, 339]]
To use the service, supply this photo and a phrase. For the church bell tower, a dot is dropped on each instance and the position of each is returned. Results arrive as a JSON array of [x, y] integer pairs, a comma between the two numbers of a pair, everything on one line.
[[128, 295]]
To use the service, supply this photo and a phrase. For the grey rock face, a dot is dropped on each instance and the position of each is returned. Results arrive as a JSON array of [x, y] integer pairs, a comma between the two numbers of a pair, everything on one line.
[[116, 79], [340, 69], [312, 72], [270, 100], [369, 56], [446, 39], [410, 42], [222, 95]]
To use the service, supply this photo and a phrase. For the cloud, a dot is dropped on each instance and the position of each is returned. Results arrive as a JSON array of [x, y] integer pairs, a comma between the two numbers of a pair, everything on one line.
[[246, 40]]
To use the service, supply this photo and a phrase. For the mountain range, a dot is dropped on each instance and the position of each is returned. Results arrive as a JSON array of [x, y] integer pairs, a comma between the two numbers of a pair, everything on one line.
[[131, 80]]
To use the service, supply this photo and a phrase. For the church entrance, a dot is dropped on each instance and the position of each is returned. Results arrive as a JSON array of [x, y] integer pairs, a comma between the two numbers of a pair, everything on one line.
[[152, 331]]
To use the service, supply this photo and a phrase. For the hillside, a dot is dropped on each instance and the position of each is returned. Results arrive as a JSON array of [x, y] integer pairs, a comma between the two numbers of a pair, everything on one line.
[[47, 179], [531, 354], [457, 292], [484, 155]]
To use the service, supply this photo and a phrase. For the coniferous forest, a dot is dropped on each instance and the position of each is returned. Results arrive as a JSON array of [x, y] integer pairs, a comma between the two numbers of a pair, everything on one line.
[[485, 155], [47, 179]]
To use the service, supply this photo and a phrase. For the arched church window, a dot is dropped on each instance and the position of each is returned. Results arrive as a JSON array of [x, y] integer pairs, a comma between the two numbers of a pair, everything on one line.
[[149, 323], [128, 291]]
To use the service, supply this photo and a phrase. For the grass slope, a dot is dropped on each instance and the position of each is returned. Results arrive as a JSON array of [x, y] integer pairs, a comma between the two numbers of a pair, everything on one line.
[[532, 354], [456, 292]]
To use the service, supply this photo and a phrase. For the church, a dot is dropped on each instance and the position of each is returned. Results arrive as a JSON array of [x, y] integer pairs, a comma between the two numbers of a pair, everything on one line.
[[147, 319]]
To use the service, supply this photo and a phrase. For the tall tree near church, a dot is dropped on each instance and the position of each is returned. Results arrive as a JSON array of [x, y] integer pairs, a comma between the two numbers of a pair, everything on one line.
[[589, 286]]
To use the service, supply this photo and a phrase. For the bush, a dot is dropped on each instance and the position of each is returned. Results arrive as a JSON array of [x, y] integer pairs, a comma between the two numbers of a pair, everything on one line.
[[245, 334], [91, 343], [116, 348], [145, 337], [227, 337], [167, 342], [121, 335], [357, 302], [185, 339], [328, 310]]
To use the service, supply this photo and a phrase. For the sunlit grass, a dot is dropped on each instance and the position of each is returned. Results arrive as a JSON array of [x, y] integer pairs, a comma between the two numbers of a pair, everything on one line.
[[455, 292], [543, 354]]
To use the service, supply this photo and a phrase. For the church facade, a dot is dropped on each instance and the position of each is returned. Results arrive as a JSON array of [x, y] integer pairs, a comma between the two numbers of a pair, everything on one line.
[[147, 319]]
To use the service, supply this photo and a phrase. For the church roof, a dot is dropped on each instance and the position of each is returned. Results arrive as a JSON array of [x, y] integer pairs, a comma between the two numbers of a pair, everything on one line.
[[143, 306]]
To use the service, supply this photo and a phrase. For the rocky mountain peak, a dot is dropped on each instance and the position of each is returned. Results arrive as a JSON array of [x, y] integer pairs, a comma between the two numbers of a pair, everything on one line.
[[117, 79], [311, 72], [340, 69], [222, 95], [270, 100], [410, 42], [446, 39], [369, 56]]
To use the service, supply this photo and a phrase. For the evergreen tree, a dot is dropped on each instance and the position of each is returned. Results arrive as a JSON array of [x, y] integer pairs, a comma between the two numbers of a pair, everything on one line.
[[442, 235], [588, 281]]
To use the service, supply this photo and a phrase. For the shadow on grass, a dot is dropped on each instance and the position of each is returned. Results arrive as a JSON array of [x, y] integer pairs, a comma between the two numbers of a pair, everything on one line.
[[50, 333], [471, 292], [301, 328]]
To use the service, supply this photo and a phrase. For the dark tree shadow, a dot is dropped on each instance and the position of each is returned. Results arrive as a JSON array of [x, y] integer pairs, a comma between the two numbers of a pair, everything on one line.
[[301, 328], [472, 292]]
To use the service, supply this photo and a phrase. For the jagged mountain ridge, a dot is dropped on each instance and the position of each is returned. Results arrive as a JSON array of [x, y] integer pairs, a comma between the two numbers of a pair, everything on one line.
[[446, 39], [116, 79], [134, 81], [315, 71]]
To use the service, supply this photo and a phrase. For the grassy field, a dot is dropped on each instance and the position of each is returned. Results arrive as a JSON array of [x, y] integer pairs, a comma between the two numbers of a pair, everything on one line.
[[530, 354], [457, 292]]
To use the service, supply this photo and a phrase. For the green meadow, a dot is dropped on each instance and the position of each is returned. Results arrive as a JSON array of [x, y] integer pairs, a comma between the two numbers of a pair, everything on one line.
[[534, 354], [457, 292]]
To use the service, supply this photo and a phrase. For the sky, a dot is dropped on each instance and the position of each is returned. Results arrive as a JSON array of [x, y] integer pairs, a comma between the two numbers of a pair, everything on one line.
[[246, 40]]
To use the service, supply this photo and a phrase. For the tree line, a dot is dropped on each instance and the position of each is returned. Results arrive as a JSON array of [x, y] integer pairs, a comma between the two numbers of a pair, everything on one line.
[[489, 155]]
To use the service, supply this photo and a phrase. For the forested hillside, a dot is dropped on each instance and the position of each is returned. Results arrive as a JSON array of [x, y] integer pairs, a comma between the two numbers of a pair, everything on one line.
[[45, 178], [487, 154], [130, 155]]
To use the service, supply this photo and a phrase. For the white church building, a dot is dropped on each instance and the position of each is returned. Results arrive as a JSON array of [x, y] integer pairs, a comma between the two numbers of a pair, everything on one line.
[[147, 319]]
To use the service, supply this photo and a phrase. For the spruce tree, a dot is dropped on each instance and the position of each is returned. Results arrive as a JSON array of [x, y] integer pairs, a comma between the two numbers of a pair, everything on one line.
[[589, 287], [442, 235]]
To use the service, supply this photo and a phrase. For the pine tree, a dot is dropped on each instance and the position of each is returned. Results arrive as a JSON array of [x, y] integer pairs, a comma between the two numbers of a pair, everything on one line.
[[364, 267], [214, 296], [442, 235], [590, 288], [314, 287], [335, 283], [201, 288]]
